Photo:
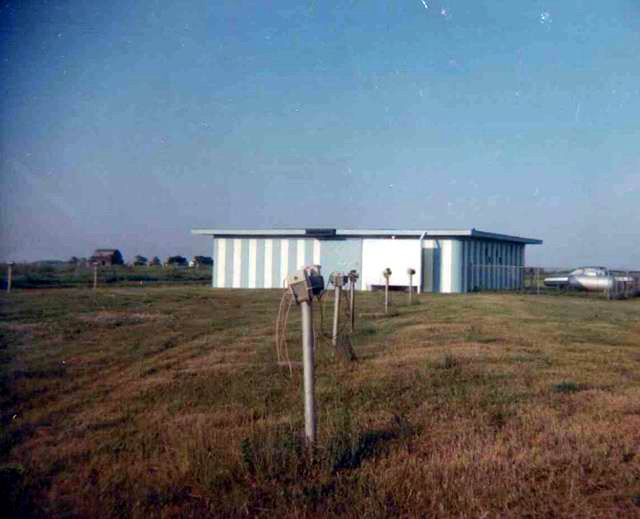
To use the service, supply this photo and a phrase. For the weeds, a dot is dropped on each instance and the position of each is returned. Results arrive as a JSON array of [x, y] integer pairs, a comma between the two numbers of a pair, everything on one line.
[[567, 386], [162, 402], [448, 361]]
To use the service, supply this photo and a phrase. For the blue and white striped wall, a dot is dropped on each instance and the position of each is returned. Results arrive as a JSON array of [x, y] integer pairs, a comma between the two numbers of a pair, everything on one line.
[[445, 265], [266, 263], [464, 265]]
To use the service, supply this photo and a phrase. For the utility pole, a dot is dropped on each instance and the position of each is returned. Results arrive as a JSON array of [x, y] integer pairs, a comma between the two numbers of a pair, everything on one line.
[[387, 274], [303, 285], [353, 278], [411, 272], [9, 275]]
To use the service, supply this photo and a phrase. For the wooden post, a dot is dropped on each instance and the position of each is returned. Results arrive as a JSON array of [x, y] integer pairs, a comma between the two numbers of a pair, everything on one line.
[[9, 276], [95, 277]]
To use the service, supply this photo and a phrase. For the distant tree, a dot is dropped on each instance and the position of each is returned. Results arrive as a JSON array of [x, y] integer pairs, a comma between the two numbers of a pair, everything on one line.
[[140, 261], [155, 262], [177, 261], [118, 259], [202, 260], [74, 260]]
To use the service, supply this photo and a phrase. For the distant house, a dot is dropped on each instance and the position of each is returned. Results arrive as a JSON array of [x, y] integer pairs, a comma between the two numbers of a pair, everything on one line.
[[106, 257]]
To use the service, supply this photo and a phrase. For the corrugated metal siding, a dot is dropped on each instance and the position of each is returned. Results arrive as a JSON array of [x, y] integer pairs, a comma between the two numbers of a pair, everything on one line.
[[456, 267], [268, 264], [265, 263], [475, 264], [432, 265], [448, 265], [341, 256], [428, 270]]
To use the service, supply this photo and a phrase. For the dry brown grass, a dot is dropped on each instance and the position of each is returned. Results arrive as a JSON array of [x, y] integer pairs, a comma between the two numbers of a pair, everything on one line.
[[169, 402]]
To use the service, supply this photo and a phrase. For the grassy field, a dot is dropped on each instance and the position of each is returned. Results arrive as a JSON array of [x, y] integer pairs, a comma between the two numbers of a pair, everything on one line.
[[28, 275], [152, 402]]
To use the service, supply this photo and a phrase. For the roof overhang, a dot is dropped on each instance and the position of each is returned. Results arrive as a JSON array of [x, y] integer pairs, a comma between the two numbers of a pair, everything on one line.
[[326, 233]]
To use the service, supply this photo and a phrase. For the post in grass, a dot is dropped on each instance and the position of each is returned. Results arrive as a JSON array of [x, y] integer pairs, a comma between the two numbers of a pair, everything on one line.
[[353, 278], [303, 285], [337, 278], [9, 275], [387, 274], [95, 277], [411, 272]]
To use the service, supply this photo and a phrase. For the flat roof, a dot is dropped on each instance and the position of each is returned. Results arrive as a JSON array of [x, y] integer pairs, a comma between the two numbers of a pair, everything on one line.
[[329, 233]]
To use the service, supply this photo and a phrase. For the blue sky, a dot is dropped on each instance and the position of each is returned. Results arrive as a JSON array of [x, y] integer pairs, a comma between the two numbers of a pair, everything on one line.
[[126, 124]]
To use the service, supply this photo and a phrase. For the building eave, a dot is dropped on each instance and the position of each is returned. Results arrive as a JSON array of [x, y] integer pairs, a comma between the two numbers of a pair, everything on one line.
[[367, 233]]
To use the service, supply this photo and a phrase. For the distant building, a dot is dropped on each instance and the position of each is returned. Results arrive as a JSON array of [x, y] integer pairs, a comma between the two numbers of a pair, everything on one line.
[[446, 261], [106, 257]]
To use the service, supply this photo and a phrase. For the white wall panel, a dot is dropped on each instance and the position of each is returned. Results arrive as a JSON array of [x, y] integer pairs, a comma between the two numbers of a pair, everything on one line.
[[284, 263], [268, 264], [300, 254], [398, 255], [253, 247], [445, 267], [316, 252], [221, 255], [237, 263]]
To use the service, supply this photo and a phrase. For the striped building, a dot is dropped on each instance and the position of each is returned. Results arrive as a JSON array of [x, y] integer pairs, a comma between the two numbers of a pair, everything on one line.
[[450, 261]]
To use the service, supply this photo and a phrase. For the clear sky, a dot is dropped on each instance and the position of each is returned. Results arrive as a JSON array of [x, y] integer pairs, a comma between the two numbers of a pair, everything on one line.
[[126, 124]]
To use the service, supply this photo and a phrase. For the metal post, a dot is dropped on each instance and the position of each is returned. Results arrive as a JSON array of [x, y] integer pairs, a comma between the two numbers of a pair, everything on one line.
[[387, 274], [411, 272], [9, 276], [308, 364], [95, 277], [352, 304], [386, 295], [336, 316], [538, 281]]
